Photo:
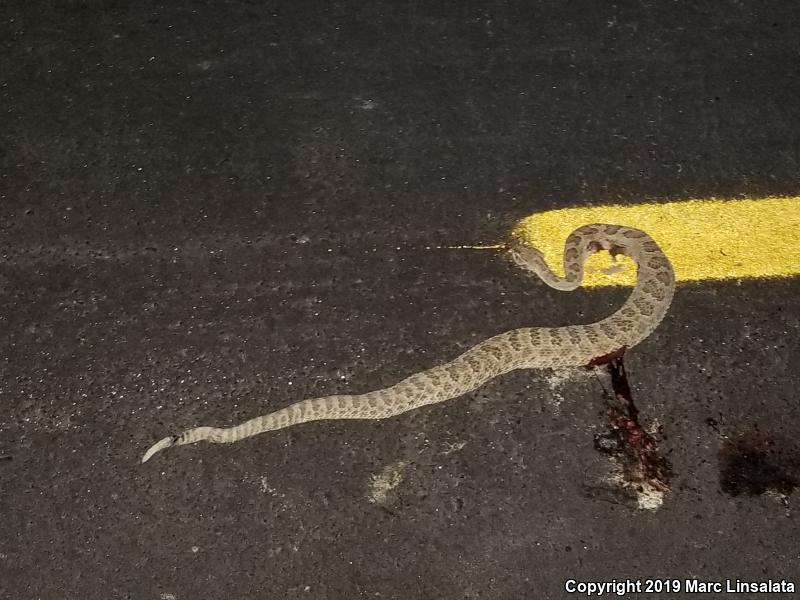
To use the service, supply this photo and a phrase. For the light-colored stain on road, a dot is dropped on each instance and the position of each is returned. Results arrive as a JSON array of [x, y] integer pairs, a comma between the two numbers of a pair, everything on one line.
[[704, 239], [390, 477]]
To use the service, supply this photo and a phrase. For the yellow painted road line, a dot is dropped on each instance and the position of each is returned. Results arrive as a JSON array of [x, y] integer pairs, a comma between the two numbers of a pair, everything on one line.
[[704, 239], [479, 247]]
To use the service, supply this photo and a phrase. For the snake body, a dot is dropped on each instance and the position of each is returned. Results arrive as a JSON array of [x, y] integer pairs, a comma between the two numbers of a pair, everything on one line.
[[526, 348]]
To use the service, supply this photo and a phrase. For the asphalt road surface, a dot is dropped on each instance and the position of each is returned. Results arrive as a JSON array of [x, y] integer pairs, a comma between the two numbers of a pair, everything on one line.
[[210, 210]]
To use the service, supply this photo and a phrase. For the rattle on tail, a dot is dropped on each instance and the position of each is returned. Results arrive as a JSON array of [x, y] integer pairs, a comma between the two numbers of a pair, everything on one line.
[[526, 348]]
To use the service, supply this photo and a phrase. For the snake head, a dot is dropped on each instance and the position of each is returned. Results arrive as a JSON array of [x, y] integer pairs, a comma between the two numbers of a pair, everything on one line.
[[525, 256]]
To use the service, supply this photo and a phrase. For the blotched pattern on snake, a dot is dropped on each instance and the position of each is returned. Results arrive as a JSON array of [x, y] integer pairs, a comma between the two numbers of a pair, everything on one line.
[[526, 348]]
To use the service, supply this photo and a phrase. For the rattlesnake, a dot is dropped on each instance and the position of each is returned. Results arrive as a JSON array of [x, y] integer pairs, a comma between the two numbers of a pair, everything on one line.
[[534, 347]]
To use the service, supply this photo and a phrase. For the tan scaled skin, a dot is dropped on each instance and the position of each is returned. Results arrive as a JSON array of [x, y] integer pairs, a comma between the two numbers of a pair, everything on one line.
[[526, 348]]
